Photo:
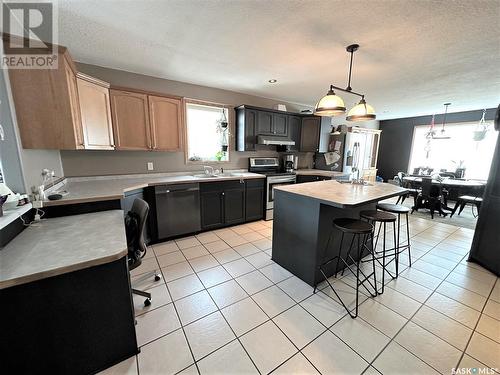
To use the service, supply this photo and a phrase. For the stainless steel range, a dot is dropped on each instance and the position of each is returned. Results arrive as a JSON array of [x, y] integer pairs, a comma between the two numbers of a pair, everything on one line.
[[274, 177]]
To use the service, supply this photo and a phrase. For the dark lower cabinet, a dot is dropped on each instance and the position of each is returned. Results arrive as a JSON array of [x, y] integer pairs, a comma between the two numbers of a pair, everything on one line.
[[222, 203], [212, 208], [234, 205], [254, 199]]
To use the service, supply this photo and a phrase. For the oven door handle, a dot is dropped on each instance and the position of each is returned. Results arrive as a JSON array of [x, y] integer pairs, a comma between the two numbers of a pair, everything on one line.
[[279, 180]]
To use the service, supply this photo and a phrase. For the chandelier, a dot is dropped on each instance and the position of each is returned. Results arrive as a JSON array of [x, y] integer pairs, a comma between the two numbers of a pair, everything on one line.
[[333, 105]]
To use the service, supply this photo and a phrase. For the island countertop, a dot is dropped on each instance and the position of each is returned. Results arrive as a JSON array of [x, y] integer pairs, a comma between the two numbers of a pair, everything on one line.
[[343, 195], [60, 245]]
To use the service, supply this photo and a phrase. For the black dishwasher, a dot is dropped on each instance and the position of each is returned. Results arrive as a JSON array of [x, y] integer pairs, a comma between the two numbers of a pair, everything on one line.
[[177, 209]]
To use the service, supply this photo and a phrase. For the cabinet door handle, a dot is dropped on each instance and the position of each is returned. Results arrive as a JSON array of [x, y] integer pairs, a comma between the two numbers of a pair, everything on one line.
[[223, 193]]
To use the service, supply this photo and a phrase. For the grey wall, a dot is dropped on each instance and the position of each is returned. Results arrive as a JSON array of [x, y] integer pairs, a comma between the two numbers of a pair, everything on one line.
[[10, 159], [22, 168], [89, 163], [397, 137]]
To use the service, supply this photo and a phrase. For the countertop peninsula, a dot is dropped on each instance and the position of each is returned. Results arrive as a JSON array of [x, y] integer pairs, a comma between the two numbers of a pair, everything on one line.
[[104, 188], [343, 195], [61, 245], [318, 172]]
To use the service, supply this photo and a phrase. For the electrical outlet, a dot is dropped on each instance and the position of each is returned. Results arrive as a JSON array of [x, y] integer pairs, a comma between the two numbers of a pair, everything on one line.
[[150, 166]]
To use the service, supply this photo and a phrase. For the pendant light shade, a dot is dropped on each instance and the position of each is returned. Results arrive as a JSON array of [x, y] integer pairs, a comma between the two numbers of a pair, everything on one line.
[[361, 112], [330, 105], [333, 105]]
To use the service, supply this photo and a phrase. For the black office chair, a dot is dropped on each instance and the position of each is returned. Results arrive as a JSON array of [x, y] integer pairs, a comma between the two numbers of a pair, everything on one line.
[[135, 222]]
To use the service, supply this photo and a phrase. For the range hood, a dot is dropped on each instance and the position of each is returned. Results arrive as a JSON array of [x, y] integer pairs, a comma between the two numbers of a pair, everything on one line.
[[276, 141]]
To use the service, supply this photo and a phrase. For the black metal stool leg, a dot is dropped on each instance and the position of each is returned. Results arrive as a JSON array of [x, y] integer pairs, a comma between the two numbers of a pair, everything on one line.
[[396, 246], [384, 254], [408, 239], [325, 252], [348, 253], [374, 269]]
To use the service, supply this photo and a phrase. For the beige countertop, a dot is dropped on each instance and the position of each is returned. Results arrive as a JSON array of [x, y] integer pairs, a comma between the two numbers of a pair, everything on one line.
[[319, 172], [340, 195], [94, 189], [61, 245]]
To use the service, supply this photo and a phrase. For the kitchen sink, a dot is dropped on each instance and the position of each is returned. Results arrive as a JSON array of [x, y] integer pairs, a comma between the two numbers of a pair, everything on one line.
[[230, 174], [206, 176]]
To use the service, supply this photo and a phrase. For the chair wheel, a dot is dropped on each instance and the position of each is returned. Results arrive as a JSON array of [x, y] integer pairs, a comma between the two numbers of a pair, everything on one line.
[[147, 302], [157, 277]]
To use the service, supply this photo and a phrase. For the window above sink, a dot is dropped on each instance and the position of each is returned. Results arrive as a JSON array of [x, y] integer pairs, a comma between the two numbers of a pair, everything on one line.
[[207, 131]]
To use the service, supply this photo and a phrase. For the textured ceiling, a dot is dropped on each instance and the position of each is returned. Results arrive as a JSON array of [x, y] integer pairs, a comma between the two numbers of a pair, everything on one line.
[[414, 55]]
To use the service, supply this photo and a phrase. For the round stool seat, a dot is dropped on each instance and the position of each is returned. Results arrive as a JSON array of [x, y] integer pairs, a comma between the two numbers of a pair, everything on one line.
[[381, 216], [394, 208], [355, 226]]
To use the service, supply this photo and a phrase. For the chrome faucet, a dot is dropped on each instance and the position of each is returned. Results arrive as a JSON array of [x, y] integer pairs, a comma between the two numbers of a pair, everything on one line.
[[208, 170]]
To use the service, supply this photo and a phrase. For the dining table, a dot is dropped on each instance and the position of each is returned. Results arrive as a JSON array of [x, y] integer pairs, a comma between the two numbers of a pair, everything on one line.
[[460, 186], [448, 182]]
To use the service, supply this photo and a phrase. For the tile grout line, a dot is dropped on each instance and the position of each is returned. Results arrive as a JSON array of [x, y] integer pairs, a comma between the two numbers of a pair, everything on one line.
[[422, 304], [295, 302], [475, 327], [180, 322]]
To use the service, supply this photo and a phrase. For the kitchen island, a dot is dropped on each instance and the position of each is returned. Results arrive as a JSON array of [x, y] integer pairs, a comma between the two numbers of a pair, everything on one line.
[[303, 215]]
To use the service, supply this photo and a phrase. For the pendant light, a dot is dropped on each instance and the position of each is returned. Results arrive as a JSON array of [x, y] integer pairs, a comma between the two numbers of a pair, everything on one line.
[[361, 112], [442, 134], [330, 105], [333, 105]]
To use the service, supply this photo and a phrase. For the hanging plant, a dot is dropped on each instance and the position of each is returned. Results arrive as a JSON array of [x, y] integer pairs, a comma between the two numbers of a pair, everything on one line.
[[481, 129]]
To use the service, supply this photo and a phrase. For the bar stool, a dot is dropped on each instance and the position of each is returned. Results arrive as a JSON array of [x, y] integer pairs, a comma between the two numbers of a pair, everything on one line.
[[399, 210], [357, 228], [381, 217]]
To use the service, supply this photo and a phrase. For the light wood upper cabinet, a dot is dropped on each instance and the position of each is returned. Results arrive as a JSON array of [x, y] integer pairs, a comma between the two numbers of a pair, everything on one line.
[[95, 113], [47, 107], [131, 126], [166, 123]]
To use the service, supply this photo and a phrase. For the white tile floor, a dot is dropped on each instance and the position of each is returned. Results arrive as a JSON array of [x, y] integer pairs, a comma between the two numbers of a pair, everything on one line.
[[223, 306]]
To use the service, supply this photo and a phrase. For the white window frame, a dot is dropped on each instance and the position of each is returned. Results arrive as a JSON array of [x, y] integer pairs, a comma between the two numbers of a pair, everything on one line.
[[230, 127], [437, 127]]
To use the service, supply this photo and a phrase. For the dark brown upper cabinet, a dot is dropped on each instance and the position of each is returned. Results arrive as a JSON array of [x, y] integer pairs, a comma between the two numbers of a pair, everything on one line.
[[264, 123], [294, 129], [280, 124], [254, 121], [310, 132]]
